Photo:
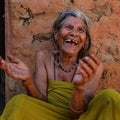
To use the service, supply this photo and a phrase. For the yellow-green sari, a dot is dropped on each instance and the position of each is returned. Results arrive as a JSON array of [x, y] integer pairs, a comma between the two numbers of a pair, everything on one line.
[[104, 106]]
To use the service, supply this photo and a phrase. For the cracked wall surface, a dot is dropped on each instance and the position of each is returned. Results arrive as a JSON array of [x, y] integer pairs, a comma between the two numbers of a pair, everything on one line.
[[28, 25]]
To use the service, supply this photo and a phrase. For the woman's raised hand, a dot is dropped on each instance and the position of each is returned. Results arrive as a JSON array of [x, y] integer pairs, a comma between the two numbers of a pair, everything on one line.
[[15, 68], [86, 70]]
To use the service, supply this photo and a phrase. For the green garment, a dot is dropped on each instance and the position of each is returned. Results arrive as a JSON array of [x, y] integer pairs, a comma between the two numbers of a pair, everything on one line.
[[104, 106]]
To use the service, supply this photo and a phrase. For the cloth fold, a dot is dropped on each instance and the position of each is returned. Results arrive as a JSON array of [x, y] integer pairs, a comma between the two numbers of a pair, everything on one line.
[[59, 93], [104, 106]]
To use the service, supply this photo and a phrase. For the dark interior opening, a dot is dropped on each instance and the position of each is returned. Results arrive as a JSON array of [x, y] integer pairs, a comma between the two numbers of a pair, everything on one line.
[[2, 53]]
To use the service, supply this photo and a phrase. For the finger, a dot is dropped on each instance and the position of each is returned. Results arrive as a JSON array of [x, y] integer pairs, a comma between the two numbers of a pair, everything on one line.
[[13, 59], [86, 68], [95, 58], [91, 63], [2, 63], [1, 59], [83, 73]]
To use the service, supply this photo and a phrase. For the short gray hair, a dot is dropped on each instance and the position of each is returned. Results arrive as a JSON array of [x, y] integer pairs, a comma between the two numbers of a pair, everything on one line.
[[75, 13]]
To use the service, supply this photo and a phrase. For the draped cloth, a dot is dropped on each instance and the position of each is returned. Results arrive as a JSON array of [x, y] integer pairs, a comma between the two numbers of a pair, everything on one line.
[[104, 106]]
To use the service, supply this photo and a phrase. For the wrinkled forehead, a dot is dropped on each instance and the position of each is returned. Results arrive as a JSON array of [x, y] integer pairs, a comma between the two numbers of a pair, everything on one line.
[[71, 20], [64, 15]]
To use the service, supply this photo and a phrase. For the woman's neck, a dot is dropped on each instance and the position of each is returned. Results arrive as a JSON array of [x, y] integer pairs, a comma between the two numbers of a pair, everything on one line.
[[67, 60]]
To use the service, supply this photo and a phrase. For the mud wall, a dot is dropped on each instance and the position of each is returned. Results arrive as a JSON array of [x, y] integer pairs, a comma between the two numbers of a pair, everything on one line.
[[28, 24]]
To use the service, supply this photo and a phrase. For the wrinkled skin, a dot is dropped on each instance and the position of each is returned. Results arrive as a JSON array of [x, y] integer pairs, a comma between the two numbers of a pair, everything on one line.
[[15, 68], [71, 37]]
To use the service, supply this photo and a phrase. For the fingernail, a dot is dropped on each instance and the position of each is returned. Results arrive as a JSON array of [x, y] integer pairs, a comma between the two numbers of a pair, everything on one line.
[[87, 58], [81, 61], [92, 55], [1, 61]]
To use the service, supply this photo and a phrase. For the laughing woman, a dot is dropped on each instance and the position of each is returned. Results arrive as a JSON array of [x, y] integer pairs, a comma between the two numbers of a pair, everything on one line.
[[66, 80]]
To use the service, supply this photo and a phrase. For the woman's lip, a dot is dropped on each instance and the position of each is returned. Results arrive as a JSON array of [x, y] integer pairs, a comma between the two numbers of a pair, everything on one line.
[[72, 41], [70, 45]]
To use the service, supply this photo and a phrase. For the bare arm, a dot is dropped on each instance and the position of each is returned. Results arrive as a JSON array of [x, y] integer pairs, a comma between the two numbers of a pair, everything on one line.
[[41, 74], [91, 70]]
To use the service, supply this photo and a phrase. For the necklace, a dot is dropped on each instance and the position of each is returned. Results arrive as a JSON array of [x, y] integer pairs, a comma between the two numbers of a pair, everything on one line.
[[74, 65]]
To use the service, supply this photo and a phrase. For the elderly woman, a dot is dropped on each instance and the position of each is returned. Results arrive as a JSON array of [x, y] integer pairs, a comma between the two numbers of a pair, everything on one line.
[[65, 82]]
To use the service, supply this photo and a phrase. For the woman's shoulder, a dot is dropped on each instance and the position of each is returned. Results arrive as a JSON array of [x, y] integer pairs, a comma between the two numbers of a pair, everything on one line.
[[45, 54]]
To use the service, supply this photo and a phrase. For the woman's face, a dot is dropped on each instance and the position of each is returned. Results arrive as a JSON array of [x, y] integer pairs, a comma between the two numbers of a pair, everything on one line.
[[72, 35]]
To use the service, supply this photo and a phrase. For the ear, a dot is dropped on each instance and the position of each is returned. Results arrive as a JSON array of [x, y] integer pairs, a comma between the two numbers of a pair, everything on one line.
[[55, 33]]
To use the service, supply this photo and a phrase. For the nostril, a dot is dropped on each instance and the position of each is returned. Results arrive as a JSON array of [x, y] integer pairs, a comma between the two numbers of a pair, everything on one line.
[[74, 33]]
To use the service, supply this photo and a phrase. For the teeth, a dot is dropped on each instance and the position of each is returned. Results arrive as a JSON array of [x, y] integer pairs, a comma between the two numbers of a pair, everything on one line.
[[69, 40], [75, 42]]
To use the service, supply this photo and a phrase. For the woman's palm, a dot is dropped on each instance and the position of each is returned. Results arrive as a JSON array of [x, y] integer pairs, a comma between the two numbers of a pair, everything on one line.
[[16, 68]]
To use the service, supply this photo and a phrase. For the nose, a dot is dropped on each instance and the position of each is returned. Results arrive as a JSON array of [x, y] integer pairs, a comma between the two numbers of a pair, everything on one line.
[[74, 33]]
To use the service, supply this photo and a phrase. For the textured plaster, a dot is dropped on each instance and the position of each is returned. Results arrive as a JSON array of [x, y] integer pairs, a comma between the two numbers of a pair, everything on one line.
[[28, 24]]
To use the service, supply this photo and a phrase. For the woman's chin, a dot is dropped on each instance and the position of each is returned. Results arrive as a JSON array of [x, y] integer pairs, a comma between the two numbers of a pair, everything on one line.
[[70, 52]]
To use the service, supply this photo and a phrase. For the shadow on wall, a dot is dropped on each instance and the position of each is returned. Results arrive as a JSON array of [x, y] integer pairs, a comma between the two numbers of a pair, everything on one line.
[[2, 91], [2, 53]]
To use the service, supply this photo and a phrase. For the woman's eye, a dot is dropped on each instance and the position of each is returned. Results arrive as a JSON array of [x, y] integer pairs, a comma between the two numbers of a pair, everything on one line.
[[81, 30], [68, 27]]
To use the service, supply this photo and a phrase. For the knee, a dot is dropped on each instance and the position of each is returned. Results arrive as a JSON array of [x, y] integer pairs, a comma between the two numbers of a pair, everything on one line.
[[109, 94], [19, 97]]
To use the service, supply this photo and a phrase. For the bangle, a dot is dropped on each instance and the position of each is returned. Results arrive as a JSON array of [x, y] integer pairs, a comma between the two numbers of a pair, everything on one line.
[[76, 111]]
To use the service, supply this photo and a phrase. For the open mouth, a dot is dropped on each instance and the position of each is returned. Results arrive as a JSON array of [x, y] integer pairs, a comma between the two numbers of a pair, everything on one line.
[[71, 42]]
